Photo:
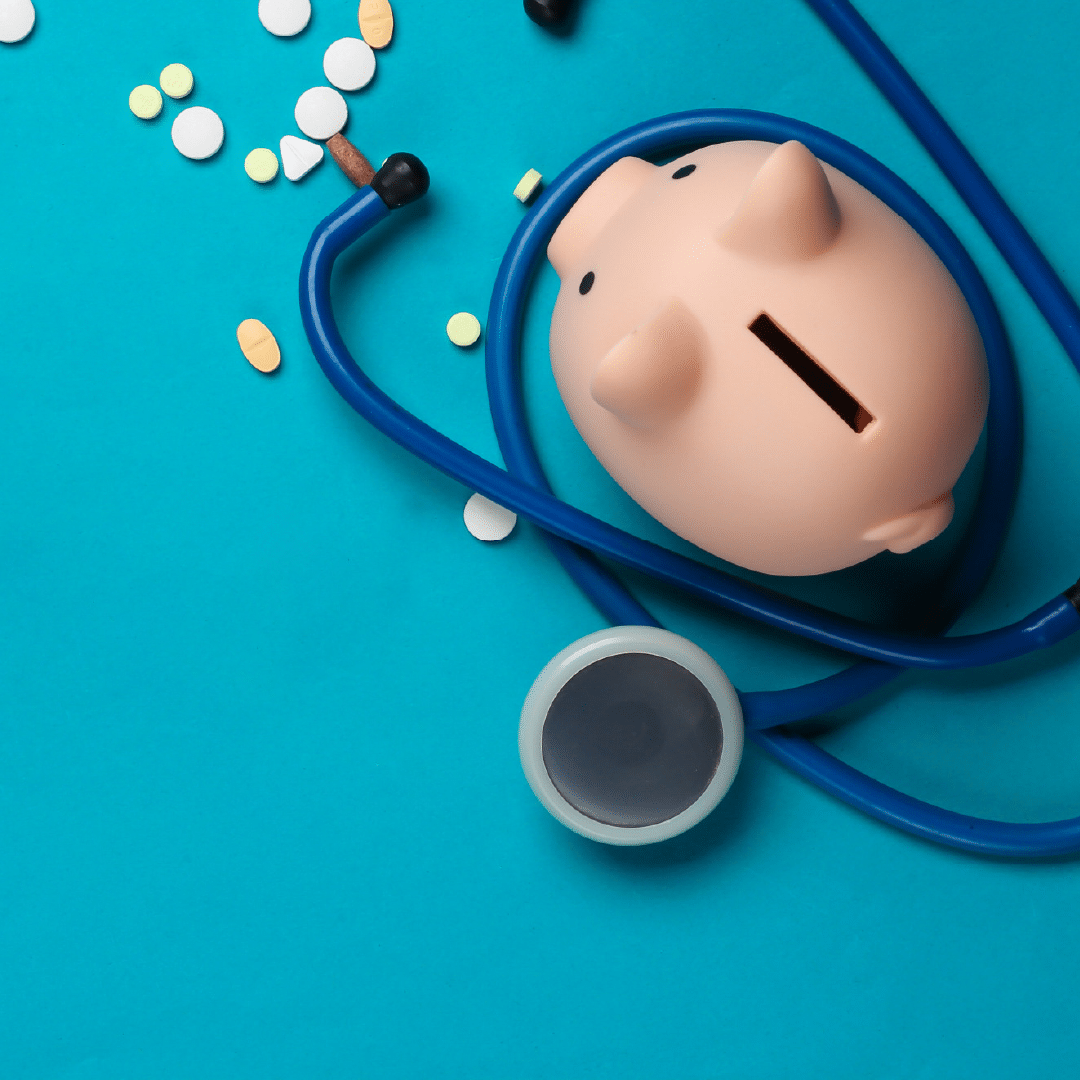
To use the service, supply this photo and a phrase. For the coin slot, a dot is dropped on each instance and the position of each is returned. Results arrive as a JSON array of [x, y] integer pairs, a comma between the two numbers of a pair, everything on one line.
[[812, 373]]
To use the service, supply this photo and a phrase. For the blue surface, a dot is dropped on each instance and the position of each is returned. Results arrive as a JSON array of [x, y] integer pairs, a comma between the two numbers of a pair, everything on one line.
[[261, 687]]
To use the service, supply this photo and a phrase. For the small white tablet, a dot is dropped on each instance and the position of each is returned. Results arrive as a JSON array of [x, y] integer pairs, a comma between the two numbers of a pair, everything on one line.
[[284, 18], [487, 520], [349, 63], [321, 113], [16, 20], [198, 133]]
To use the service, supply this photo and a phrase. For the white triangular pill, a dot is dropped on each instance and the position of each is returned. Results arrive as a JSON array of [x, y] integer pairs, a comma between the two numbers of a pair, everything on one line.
[[299, 157]]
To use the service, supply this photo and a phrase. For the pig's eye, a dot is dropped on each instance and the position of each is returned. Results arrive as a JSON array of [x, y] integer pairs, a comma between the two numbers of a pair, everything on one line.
[[586, 283], [686, 170], [811, 373]]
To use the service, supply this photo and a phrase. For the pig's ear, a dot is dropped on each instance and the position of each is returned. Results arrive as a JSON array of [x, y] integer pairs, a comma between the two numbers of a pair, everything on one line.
[[652, 374], [789, 212], [596, 207], [906, 533]]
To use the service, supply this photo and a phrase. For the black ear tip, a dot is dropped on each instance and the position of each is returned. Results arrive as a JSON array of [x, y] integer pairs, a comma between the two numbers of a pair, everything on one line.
[[547, 12], [402, 179]]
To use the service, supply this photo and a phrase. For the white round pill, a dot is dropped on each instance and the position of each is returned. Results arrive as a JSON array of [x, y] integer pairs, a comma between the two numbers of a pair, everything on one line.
[[16, 20], [349, 63], [487, 520], [284, 18], [198, 133], [321, 112]]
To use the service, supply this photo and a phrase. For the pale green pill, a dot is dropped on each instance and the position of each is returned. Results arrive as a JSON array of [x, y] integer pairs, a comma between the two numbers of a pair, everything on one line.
[[261, 165], [176, 80], [527, 185], [463, 329], [145, 102]]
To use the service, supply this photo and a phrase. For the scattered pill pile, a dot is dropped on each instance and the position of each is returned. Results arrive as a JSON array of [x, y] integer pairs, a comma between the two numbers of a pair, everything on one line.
[[320, 113], [16, 20], [197, 132]]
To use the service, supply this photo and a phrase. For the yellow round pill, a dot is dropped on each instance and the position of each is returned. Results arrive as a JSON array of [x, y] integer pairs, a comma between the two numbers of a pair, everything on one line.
[[145, 102], [261, 165], [463, 329], [258, 345], [176, 80]]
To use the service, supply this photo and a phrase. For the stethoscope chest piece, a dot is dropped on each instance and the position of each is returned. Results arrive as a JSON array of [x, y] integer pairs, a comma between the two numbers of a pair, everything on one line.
[[631, 735]]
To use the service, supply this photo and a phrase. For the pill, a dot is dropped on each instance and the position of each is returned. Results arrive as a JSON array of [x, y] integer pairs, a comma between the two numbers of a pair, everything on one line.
[[527, 186], [176, 80], [350, 161], [321, 112], [198, 133], [145, 102], [299, 157], [16, 20], [376, 22], [487, 520], [261, 165], [258, 345], [463, 329], [349, 63], [284, 18]]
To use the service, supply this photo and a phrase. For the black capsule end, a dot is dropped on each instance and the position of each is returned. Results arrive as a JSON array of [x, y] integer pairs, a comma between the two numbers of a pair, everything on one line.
[[401, 180], [547, 12], [1073, 595]]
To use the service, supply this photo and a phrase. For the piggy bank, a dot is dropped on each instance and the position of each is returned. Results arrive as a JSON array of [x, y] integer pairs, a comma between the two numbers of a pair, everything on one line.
[[766, 357]]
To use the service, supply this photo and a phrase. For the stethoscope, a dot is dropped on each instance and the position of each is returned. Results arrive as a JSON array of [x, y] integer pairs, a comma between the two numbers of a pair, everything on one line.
[[631, 735]]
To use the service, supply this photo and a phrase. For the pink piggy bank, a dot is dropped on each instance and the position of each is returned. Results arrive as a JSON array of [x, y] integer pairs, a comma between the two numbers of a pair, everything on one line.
[[766, 357]]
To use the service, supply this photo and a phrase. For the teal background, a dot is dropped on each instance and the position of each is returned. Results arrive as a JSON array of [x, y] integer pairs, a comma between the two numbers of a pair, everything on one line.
[[261, 814]]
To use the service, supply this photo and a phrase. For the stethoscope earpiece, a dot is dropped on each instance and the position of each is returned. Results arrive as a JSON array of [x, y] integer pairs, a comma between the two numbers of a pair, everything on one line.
[[631, 735], [548, 13]]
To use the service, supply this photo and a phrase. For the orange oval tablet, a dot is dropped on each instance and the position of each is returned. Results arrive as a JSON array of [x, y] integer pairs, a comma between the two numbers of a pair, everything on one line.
[[258, 345], [376, 22]]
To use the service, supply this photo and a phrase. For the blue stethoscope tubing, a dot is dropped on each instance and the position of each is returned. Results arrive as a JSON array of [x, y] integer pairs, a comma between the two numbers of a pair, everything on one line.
[[577, 538]]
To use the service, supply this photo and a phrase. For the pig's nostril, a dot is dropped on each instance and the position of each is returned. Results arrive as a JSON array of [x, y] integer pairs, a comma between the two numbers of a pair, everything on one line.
[[812, 373], [586, 283]]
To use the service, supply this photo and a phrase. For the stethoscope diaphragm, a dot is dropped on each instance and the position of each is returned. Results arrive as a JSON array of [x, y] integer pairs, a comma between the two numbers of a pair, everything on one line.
[[631, 735]]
